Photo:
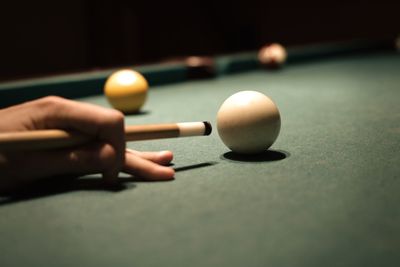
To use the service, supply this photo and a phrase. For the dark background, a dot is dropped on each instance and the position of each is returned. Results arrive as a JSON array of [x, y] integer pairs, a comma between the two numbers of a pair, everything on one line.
[[50, 37]]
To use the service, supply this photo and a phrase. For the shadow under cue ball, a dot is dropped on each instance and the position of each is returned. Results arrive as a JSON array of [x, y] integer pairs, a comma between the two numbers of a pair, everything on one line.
[[126, 90], [248, 122]]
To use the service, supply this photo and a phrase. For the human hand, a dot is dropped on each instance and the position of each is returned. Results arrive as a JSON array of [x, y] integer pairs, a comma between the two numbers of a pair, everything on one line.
[[107, 155]]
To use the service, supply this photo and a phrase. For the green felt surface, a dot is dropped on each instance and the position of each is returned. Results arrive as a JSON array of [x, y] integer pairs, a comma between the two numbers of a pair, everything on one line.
[[327, 194]]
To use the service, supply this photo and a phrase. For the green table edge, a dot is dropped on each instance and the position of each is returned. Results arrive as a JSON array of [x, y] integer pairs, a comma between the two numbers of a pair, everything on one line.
[[91, 83]]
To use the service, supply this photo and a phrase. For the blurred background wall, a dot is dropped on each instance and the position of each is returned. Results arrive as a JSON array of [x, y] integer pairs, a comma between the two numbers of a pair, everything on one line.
[[49, 37]]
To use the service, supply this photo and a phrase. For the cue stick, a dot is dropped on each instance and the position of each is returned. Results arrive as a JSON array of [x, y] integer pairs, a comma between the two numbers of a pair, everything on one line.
[[52, 138]]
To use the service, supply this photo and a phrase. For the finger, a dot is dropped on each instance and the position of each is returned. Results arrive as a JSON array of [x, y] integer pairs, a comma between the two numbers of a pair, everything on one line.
[[107, 125], [160, 157], [91, 159], [146, 169]]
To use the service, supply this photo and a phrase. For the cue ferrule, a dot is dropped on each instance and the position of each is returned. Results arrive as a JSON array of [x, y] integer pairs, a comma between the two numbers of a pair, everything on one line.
[[49, 139], [171, 130], [194, 128]]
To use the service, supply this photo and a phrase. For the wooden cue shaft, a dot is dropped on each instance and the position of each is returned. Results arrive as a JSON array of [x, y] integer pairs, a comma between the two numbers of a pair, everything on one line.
[[148, 132], [48, 139]]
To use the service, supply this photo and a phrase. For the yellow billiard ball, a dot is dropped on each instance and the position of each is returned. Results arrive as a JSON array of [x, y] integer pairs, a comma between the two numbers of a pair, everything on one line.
[[126, 90]]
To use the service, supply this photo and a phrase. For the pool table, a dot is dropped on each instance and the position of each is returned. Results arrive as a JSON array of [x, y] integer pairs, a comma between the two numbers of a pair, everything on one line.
[[327, 193]]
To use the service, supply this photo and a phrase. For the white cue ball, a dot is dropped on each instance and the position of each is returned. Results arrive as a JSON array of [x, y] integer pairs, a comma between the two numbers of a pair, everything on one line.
[[248, 122], [273, 55], [397, 43]]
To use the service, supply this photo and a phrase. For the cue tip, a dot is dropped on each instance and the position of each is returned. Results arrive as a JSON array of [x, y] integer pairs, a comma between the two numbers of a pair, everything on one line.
[[208, 128]]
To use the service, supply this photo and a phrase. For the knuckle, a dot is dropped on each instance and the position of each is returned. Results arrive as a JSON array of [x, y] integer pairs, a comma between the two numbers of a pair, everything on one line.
[[114, 118], [96, 159], [52, 103], [51, 100], [108, 157]]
